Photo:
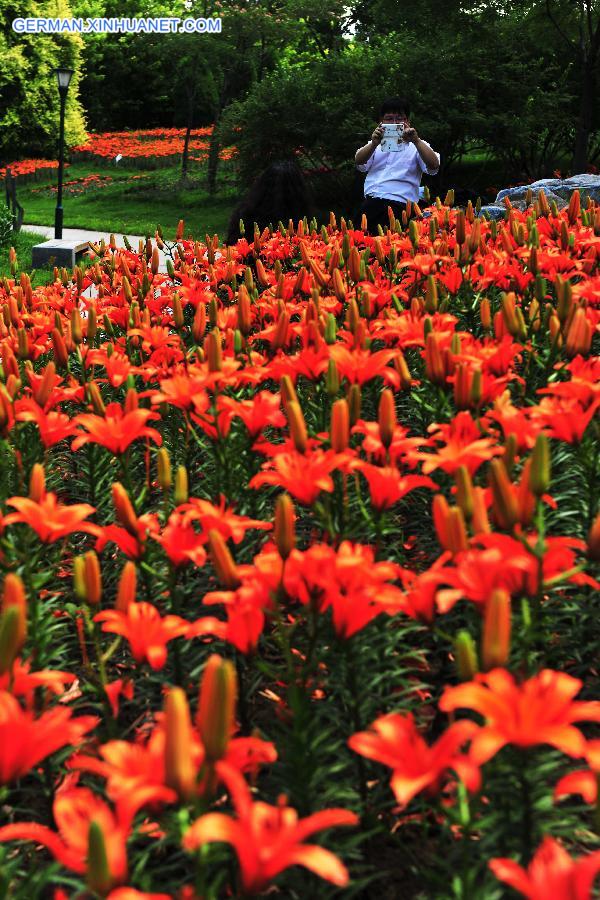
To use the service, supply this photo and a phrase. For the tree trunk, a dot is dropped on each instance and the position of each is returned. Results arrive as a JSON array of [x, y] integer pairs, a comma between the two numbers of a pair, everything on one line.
[[215, 145], [584, 125], [213, 158], [188, 132]]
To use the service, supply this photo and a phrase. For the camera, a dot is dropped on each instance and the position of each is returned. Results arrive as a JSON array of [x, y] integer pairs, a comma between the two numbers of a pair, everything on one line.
[[392, 137]]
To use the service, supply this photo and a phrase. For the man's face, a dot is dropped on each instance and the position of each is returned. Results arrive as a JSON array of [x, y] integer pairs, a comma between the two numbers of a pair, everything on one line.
[[395, 118]]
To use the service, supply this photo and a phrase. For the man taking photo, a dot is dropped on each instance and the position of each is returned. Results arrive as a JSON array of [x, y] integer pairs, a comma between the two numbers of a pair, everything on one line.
[[393, 176]]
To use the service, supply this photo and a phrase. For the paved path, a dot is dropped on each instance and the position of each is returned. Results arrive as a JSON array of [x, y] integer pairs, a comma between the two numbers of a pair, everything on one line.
[[80, 234]]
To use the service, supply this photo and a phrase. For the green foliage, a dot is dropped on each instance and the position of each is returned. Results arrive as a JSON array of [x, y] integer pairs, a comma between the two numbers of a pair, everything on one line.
[[6, 225], [29, 100]]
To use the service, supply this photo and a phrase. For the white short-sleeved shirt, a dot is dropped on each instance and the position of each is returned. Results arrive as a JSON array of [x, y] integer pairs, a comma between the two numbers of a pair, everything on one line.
[[396, 175]]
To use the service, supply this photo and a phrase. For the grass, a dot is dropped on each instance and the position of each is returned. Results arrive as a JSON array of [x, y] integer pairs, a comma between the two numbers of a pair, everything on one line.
[[134, 202], [23, 241]]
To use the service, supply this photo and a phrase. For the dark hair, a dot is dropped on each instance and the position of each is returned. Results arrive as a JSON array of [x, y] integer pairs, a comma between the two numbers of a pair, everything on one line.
[[278, 194], [395, 105]]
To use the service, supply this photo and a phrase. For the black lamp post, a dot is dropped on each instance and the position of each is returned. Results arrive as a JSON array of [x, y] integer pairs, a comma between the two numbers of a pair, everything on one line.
[[63, 77]]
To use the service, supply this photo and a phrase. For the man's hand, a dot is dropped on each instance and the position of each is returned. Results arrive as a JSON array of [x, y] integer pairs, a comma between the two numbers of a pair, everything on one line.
[[410, 135], [377, 135]]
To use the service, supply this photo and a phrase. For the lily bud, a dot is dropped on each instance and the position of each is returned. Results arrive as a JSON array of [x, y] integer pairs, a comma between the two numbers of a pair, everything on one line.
[[199, 323], [60, 349], [244, 311], [180, 773], [460, 227], [98, 874], [464, 492], [339, 428], [401, 366], [92, 578], [14, 597], [332, 378], [178, 317], [131, 399], [495, 645], [127, 587], [124, 508], [288, 391], [354, 262], [9, 638], [297, 426], [164, 469], [216, 709], [386, 417], [222, 560], [505, 506], [76, 326], [456, 531], [593, 541], [45, 386], [79, 577], [338, 286], [574, 207], [480, 523], [431, 294], [92, 324], [213, 350], [579, 336], [435, 367], [37, 483], [22, 344], [465, 656], [284, 531], [181, 486], [96, 398], [539, 476], [354, 398]]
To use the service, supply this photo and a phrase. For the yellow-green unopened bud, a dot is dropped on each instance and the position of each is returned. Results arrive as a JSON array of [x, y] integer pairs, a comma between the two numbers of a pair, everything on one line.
[[465, 655], [539, 475], [164, 468], [181, 486], [10, 625], [98, 871]]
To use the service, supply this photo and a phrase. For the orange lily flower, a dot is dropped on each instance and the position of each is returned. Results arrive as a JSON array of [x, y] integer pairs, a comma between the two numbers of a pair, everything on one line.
[[50, 520], [395, 741], [360, 366], [264, 409], [75, 811], [53, 426], [551, 873], [180, 542], [387, 486], [20, 681], [147, 633], [585, 781], [221, 518], [268, 839], [541, 710], [130, 766], [304, 476], [25, 740], [459, 444], [116, 430]]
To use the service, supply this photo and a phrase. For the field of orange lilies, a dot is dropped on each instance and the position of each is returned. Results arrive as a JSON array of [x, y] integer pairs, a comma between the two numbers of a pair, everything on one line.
[[299, 545]]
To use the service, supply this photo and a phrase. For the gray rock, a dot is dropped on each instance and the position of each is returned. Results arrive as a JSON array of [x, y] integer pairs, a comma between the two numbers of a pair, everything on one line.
[[558, 189], [492, 211]]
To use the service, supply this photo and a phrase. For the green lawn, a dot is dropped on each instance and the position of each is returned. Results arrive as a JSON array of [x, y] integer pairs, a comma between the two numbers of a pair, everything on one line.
[[135, 201], [23, 241]]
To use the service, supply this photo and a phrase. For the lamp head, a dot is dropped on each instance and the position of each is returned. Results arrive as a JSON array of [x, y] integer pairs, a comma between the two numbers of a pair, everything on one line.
[[63, 78]]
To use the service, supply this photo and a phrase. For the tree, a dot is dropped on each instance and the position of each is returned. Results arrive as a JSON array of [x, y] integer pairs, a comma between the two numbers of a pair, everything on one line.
[[578, 24], [29, 99]]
